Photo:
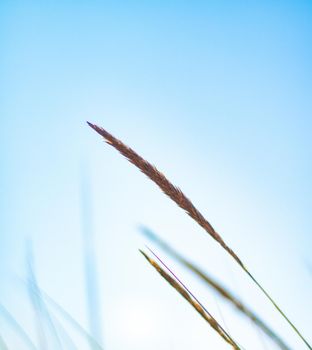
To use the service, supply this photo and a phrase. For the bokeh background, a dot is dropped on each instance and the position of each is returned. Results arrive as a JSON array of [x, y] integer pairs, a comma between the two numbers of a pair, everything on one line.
[[217, 94]]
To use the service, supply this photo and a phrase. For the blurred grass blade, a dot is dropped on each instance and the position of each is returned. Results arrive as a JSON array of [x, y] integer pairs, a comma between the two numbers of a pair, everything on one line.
[[216, 286], [17, 328], [183, 202], [91, 281], [45, 325], [66, 339], [70, 319], [192, 300], [3, 345]]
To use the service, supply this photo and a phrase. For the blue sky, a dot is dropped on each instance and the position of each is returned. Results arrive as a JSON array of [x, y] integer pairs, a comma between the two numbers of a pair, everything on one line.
[[217, 95]]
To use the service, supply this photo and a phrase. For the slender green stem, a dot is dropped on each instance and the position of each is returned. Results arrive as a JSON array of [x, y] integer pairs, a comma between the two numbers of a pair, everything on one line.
[[278, 308]]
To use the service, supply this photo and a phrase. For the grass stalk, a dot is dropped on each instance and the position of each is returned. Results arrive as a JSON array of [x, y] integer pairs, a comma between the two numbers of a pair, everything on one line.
[[183, 202], [217, 287], [192, 300]]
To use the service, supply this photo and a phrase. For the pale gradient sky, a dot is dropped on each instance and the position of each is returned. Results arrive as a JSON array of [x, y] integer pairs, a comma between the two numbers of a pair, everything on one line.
[[218, 96]]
